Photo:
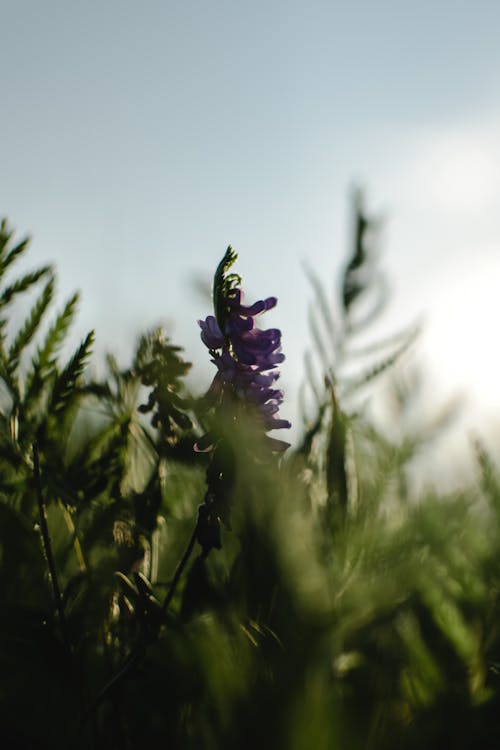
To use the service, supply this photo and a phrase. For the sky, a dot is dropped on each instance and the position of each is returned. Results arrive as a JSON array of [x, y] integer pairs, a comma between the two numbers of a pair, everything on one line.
[[137, 140]]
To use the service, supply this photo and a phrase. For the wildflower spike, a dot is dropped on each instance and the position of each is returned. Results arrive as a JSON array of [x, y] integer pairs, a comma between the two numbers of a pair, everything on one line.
[[246, 356]]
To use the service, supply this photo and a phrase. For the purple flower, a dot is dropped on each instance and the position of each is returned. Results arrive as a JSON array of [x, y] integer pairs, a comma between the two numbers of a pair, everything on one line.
[[246, 358], [210, 333]]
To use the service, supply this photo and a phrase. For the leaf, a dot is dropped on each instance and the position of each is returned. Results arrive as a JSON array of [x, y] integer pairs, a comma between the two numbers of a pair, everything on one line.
[[44, 360], [380, 367], [143, 349], [325, 358], [14, 254], [380, 297], [353, 284], [11, 382], [128, 587], [143, 585], [141, 460], [22, 284], [323, 306], [312, 379], [30, 326], [58, 331], [336, 473], [311, 431], [5, 235], [387, 343], [66, 383]]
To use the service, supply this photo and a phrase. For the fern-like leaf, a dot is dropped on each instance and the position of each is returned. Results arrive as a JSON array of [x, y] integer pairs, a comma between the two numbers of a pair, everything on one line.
[[386, 344], [8, 377], [377, 294], [67, 381], [381, 366], [5, 236], [336, 474], [355, 278], [13, 254], [44, 360], [323, 306], [326, 357], [30, 326], [22, 284], [312, 379]]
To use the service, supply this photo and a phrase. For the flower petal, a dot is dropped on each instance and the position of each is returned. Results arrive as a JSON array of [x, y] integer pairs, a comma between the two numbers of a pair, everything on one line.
[[211, 335]]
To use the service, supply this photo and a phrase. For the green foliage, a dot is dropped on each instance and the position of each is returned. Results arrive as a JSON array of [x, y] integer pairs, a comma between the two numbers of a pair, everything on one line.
[[159, 364], [334, 610], [44, 359], [66, 382], [337, 326], [30, 327]]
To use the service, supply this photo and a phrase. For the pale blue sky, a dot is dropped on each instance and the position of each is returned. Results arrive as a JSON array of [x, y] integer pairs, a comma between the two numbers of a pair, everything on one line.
[[138, 139]]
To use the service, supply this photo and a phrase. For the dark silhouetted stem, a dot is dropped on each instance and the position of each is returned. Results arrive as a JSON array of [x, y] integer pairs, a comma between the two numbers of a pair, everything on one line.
[[47, 547], [182, 564]]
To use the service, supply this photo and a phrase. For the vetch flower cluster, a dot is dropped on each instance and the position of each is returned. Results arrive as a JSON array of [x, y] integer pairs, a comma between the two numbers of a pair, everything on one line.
[[246, 356]]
